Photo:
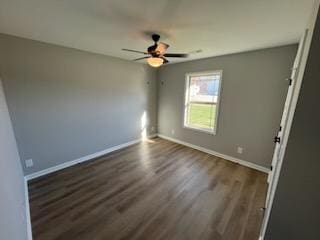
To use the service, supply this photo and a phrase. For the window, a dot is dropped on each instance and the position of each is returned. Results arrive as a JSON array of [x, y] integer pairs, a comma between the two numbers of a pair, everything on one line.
[[202, 96]]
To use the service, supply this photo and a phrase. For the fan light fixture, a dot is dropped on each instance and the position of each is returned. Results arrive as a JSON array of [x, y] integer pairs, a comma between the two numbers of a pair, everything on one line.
[[155, 61], [156, 54]]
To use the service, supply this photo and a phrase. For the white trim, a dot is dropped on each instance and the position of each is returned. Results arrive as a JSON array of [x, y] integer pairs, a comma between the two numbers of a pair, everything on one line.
[[203, 130], [83, 159], [27, 208], [186, 101], [221, 155]]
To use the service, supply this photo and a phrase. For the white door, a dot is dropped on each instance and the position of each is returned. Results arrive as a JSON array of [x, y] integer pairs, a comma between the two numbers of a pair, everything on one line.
[[281, 139], [279, 147], [288, 113]]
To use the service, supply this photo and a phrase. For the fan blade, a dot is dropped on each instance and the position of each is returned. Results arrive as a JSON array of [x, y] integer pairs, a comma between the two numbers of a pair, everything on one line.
[[130, 50], [162, 48], [137, 59], [176, 55], [165, 60]]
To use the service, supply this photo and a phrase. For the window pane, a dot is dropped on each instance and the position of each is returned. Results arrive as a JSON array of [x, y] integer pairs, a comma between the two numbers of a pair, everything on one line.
[[201, 100], [202, 115], [204, 88]]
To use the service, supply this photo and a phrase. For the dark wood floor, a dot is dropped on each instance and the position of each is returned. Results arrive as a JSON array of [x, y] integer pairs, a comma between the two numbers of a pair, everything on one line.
[[157, 190]]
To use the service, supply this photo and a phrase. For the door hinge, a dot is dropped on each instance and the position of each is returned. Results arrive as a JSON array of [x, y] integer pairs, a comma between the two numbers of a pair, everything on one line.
[[271, 167], [289, 81], [276, 139]]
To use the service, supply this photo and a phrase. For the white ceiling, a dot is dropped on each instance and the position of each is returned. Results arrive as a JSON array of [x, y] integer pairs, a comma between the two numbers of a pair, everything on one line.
[[105, 26]]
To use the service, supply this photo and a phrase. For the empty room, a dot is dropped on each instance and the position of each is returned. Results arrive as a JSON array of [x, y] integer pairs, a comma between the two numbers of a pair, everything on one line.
[[162, 120]]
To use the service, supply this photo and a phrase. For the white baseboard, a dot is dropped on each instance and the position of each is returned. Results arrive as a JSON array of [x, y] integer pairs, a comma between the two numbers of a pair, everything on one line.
[[230, 158], [27, 208], [83, 159]]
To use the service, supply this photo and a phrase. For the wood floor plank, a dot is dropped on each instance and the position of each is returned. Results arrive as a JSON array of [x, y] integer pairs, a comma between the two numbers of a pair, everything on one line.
[[153, 190]]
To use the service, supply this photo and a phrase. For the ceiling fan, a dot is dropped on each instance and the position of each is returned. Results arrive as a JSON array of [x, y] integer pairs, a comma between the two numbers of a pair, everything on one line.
[[156, 53]]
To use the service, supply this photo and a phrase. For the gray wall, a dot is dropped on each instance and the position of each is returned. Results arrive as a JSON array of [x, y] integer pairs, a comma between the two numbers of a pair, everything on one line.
[[252, 98], [296, 207], [12, 202], [67, 103]]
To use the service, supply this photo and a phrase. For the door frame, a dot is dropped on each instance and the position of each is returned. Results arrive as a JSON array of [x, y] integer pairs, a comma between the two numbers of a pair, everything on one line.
[[273, 178], [283, 129]]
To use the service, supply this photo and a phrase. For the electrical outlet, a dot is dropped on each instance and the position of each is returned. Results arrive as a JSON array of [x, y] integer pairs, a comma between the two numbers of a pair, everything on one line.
[[240, 150], [173, 132], [29, 163]]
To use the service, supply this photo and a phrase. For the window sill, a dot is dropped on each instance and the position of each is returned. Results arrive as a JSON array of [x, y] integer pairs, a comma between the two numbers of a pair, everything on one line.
[[213, 132]]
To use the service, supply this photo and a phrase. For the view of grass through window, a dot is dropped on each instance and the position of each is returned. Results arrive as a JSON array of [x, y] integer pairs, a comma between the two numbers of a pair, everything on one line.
[[201, 100], [202, 115]]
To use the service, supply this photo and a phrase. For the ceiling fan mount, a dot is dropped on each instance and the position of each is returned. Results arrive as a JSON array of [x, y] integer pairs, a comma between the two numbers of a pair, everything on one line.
[[155, 37], [157, 52]]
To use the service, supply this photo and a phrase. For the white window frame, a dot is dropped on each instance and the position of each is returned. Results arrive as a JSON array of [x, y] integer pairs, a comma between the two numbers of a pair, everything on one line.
[[186, 101]]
